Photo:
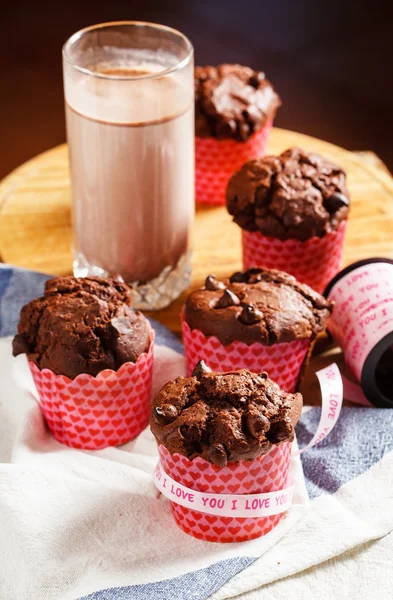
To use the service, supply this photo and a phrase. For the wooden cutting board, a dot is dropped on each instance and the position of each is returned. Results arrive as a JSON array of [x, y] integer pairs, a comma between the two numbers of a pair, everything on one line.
[[35, 220]]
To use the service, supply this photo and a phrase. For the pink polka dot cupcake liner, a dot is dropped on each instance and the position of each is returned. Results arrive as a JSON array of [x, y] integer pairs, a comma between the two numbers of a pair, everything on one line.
[[92, 413], [314, 262], [283, 362], [264, 474], [217, 160]]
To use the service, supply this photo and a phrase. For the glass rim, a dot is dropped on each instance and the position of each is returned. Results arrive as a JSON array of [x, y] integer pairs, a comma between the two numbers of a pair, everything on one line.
[[79, 34]]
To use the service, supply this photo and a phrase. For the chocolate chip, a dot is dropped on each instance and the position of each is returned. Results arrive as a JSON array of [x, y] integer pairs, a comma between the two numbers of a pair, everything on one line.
[[239, 277], [256, 79], [251, 114], [257, 424], [164, 414], [254, 274], [232, 125], [250, 315], [242, 400], [260, 380], [227, 299], [336, 201], [255, 278], [212, 284], [217, 455], [200, 369], [20, 345], [244, 131], [280, 431]]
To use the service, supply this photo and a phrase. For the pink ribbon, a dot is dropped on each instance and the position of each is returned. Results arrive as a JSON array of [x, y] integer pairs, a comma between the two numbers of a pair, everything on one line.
[[225, 505]]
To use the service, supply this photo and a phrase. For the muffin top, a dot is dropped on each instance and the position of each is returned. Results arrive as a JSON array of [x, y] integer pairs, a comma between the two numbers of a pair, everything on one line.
[[295, 195], [82, 325], [223, 417], [232, 102], [257, 305]]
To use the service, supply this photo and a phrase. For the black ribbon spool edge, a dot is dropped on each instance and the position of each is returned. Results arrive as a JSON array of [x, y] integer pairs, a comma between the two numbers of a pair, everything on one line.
[[367, 378]]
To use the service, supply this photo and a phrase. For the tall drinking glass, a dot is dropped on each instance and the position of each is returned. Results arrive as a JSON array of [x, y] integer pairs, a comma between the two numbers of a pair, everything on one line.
[[129, 94]]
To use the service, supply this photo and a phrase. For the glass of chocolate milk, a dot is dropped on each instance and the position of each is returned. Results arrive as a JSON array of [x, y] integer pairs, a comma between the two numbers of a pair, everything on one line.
[[129, 94]]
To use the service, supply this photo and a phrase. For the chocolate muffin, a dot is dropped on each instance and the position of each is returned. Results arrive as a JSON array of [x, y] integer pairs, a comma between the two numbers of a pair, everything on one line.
[[232, 102], [257, 305], [296, 195], [223, 417], [82, 325]]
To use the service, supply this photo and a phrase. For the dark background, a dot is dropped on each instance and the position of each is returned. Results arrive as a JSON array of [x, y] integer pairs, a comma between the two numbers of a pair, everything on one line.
[[331, 62]]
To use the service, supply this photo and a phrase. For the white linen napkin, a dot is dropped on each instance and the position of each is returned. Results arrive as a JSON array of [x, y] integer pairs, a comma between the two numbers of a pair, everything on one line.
[[74, 523]]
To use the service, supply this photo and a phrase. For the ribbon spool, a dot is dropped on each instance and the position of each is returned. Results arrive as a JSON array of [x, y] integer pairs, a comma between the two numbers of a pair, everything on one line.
[[362, 324]]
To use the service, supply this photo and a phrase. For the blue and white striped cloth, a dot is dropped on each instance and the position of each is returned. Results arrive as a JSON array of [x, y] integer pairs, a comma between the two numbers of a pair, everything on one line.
[[89, 525]]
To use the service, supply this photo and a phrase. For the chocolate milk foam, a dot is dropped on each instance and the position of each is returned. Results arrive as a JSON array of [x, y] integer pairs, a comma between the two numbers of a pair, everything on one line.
[[132, 165]]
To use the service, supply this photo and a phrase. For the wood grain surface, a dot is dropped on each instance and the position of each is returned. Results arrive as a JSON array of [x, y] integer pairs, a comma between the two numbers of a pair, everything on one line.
[[35, 222]]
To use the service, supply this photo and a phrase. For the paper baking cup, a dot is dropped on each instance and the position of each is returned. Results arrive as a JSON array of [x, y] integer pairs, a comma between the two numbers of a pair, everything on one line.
[[283, 362], [96, 412], [362, 324], [217, 160], [314, 262], [260, 475]]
